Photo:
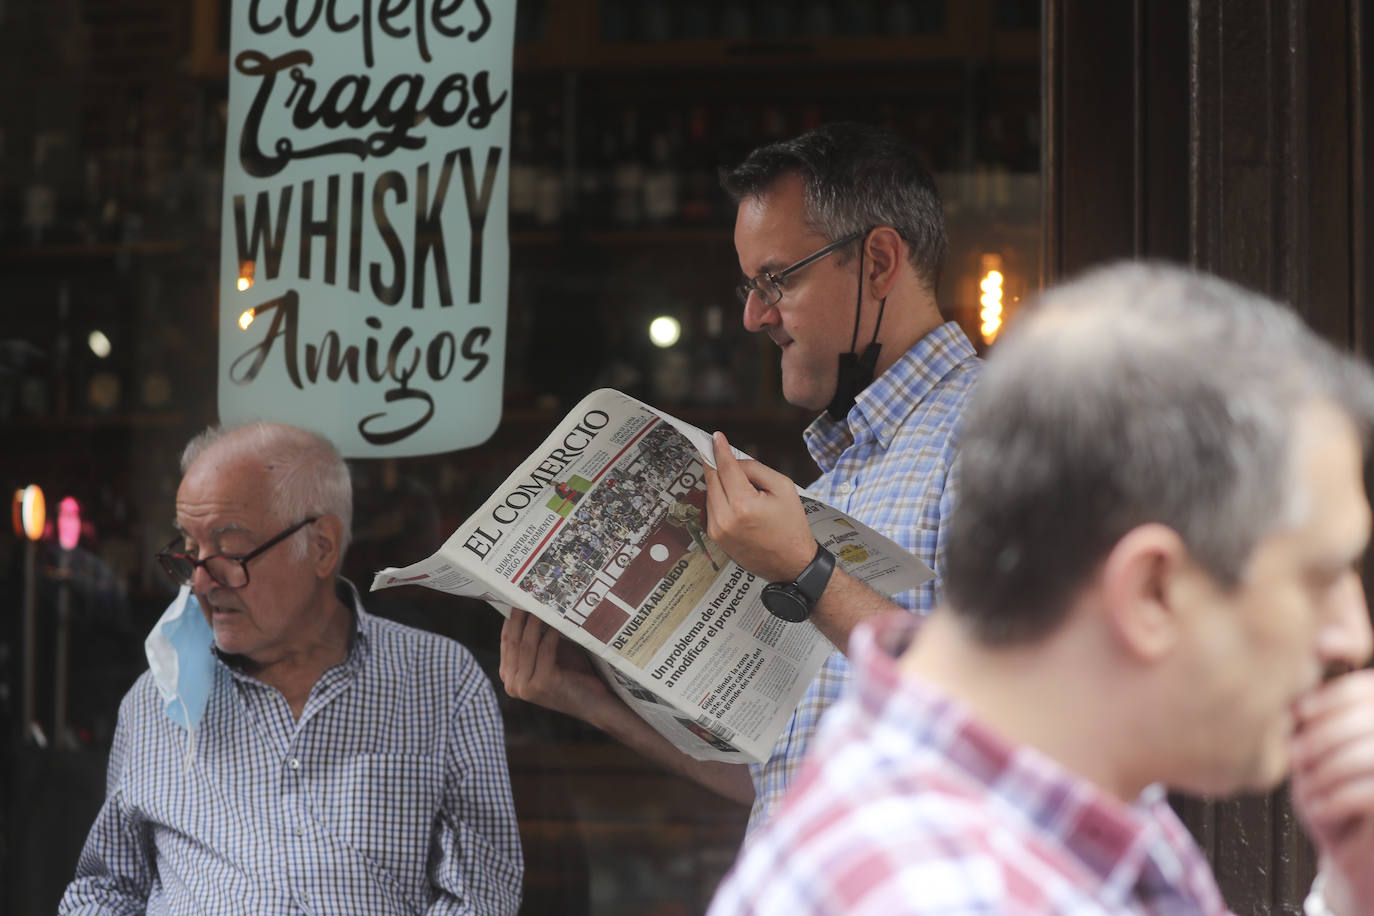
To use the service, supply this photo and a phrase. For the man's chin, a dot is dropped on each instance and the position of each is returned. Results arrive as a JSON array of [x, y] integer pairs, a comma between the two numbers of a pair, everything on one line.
[[805, 397]]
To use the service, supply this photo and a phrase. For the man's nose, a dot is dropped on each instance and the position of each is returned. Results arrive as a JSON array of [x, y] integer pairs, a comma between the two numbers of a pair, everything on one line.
[[201, 580], [758, 314], [1345, 640]]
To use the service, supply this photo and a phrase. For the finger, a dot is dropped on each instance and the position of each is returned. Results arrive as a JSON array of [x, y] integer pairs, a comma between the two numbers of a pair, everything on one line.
[[718, 512], [1345, 768], [511, 630], [734, 483], [546, 656], [1332, 735], [1349, 691]]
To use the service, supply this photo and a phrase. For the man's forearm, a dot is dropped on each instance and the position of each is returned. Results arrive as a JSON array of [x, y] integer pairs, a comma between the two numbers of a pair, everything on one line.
[[846, 603], [730, 780]]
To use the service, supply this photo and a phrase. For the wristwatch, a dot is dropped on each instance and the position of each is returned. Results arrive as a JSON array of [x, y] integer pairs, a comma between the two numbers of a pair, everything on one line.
[[793, 601]]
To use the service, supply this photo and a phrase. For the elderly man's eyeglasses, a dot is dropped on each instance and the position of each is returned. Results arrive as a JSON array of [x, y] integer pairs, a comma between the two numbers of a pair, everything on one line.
[[769, 285], [229, 570]]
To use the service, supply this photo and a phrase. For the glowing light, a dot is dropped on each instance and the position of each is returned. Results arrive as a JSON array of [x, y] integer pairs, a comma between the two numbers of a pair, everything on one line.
[[68, 522], [30, 512], [246, 269], [247, 318], [665, 331], [990, 315], [99, 343], [244, 283]]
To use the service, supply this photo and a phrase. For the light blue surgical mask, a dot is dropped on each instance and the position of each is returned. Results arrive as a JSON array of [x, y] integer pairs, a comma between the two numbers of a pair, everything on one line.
[[183, 667]]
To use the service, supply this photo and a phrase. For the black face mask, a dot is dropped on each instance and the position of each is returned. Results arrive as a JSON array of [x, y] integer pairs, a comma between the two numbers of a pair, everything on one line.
[[855, 371]]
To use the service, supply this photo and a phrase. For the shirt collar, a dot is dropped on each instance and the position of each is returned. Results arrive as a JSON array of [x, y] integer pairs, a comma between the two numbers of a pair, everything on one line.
[[1123, 846], [880, 409]]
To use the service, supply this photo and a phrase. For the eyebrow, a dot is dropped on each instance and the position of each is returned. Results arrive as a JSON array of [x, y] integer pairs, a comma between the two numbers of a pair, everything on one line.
[[215, 533]]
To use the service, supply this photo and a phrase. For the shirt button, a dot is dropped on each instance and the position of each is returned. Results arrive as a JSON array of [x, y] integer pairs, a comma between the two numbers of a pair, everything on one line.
[[293, 763], [887, 430], [845, 488]]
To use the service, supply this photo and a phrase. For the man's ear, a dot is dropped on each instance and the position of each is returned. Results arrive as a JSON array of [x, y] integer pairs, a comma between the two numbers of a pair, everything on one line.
[[1139, 589], [326, 537], [884, 252]]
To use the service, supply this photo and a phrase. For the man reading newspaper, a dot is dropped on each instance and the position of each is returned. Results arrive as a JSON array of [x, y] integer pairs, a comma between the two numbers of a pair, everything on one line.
[[841, 236]]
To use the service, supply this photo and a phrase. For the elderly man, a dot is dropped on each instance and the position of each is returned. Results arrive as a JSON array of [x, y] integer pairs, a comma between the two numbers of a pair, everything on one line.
[[841, 239], [340, 763], [1152, 583]]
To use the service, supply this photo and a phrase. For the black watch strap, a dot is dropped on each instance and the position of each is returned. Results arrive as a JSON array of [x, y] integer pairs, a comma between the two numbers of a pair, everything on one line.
[[793, 601]]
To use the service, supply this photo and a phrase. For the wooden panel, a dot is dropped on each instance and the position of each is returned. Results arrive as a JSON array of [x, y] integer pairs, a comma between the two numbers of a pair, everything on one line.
[[1233, 135]]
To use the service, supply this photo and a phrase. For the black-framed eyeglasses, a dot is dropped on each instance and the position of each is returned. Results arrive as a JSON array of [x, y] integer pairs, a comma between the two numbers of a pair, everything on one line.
[[769, 285], [229, 570]]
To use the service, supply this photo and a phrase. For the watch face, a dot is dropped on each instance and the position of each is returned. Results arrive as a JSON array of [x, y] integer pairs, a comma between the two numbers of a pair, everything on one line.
[[786, 602]]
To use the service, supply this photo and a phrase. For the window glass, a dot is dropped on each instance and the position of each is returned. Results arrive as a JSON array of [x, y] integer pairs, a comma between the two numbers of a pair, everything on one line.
[[111, 152]]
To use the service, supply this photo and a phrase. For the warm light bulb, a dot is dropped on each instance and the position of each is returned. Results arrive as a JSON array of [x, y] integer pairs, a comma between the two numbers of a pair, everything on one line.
[[30, 512], [664, 331], [244, 283], [247, 318], [99, 343], [990, 315]]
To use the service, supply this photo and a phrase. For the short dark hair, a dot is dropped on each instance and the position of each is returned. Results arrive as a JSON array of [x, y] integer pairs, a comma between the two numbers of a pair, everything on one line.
[[1134, 394], [854, 177]]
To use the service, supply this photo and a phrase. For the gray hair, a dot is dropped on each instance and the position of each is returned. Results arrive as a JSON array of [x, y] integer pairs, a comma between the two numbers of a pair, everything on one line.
[[854, 177], [305, 472], [1137, 393]]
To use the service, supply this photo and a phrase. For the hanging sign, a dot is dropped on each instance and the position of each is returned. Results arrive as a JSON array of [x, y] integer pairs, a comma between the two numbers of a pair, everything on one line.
[[364, 258]]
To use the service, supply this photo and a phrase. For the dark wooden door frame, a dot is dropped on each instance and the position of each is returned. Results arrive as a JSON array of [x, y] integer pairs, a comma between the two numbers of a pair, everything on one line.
[[1233, 135]]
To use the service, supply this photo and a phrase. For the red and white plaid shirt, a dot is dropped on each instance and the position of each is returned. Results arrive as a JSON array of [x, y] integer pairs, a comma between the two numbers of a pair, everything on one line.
[[909, 805]]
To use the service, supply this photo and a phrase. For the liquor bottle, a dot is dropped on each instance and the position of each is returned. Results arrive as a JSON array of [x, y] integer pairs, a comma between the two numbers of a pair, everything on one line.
[[616, 21], [856, 17], [771, 19], [700, 193], [716, 383], [596, 156], [694, 19], [735, 20], [548, 182], [655, 20], [661, 180], [40, 197], [817, 19], [522, 170], [629, 173], [899, 18]]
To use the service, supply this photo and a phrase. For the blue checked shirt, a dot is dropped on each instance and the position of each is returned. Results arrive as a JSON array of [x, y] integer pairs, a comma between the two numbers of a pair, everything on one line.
[[888, 465], [389, 795]]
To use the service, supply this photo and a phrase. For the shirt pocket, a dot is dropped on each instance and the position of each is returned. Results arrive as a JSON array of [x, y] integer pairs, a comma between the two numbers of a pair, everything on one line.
[[387, 809]]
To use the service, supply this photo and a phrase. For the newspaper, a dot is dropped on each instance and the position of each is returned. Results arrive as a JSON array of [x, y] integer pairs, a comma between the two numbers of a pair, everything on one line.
[[601, 534]]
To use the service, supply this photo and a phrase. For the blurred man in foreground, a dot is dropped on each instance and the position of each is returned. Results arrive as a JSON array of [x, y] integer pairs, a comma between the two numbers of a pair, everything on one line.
[[1152, 573], [317, 758]]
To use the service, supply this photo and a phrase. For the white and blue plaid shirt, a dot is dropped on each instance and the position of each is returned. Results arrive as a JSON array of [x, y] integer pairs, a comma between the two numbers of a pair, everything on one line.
[[389, 795], [887, 464]]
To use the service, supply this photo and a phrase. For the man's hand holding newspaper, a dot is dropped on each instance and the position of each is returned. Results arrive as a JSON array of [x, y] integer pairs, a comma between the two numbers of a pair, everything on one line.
[[757, 516], [540, 666]]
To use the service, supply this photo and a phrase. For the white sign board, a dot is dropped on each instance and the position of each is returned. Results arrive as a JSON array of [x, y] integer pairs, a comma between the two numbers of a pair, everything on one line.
[[364, 257]]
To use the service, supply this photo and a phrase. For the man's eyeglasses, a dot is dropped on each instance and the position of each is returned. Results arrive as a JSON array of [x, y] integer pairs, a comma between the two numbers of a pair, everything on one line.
[[769, 285], [229, 570]]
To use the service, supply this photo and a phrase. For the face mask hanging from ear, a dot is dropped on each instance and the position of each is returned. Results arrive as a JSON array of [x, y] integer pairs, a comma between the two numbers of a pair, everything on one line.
[[178, 651], [855, 371]]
